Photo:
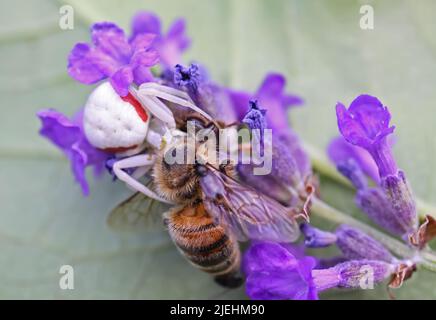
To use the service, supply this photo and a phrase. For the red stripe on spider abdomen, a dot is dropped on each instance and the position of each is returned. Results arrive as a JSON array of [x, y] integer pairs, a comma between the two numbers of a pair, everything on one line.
[[118, 149], [137, 105]]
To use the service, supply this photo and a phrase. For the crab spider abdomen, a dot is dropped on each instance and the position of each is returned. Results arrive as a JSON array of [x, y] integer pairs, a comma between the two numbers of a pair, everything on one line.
[[113, 123]]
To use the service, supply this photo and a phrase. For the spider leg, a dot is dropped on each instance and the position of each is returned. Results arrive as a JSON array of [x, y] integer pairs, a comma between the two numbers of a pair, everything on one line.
[[172, 98], [133, 162], [157, 109], [140, 172], [166, 89]]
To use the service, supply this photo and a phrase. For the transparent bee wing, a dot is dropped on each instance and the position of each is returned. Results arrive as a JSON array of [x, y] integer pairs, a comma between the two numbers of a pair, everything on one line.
[[245, 212], [137, 213]]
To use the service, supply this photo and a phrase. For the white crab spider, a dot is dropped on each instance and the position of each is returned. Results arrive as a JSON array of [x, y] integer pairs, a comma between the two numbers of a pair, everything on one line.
[[125, 126]]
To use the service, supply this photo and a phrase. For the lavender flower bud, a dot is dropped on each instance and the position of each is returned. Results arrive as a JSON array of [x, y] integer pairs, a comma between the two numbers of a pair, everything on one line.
[[207, 95], [352, 171], [284, 176], [401, 199], [391, 205], [353, 274], [255, 120], [316, 238], [357, 273], [374, 203], [187, 77], [356, 245], [255, 117]]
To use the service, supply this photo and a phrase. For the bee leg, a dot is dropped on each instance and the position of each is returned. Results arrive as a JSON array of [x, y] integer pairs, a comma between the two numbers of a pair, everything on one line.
[[133, 162], [232, 280]]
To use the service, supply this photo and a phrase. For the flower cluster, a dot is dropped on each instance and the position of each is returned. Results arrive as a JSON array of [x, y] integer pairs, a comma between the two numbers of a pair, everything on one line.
[[291, 169], [364, 149], [363, 153], [275, 273]]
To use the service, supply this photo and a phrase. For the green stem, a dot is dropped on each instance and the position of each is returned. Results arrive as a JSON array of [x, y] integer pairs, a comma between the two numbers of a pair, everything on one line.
[[324, 211], [429, 255], [322, 164], [430, 266]]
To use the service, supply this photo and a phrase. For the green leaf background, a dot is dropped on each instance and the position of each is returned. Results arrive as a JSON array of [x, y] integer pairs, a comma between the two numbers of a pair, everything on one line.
[[44, 220]]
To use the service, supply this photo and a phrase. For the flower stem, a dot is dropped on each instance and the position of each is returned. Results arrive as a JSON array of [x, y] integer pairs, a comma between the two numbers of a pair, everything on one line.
[[430, 266], [322, 165], [324, 211], [429, 255]]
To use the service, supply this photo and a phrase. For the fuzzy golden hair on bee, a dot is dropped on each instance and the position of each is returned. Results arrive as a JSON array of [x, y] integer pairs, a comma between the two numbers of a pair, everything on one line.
[[179, 181], [213, 210], [176, 182]]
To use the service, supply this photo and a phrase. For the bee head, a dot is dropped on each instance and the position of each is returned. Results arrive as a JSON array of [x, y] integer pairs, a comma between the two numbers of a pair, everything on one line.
[[200, 169]]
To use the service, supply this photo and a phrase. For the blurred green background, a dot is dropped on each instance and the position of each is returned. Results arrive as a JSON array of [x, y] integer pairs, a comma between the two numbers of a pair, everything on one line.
[[44, 220]]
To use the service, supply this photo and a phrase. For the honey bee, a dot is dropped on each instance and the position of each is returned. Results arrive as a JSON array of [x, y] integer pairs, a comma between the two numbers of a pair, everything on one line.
[[212, 212]]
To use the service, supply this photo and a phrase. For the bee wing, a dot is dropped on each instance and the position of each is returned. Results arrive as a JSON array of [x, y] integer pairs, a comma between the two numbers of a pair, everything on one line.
[[245, 212], [137, 213]]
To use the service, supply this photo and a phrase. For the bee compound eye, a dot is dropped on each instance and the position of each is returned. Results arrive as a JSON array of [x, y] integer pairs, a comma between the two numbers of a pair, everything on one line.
[[219, 197], [223, 165], [201, 170]]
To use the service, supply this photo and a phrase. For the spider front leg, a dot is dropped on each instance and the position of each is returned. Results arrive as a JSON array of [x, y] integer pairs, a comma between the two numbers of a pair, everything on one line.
[[154, 91], [157, 108], [142, 160]]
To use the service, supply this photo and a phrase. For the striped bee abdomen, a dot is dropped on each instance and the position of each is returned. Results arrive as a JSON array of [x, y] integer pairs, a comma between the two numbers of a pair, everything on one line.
[[205, 244]]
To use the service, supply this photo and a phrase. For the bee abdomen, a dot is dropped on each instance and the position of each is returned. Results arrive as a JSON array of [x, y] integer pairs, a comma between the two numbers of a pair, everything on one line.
[[205, 244]]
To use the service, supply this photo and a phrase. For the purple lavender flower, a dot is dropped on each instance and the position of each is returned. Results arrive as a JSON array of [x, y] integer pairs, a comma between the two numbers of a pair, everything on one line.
[[68, 136], [112, 56], [271, 95], [187, 76], [391, 205], [255, 117], [206, 94], [283, 180], [353, 274], [351, 170], [353, 243], [170, 45], [290, 166], [274, 273], [366, 125], [255, 120], [316, 238], [340, 152], [357, 245]]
